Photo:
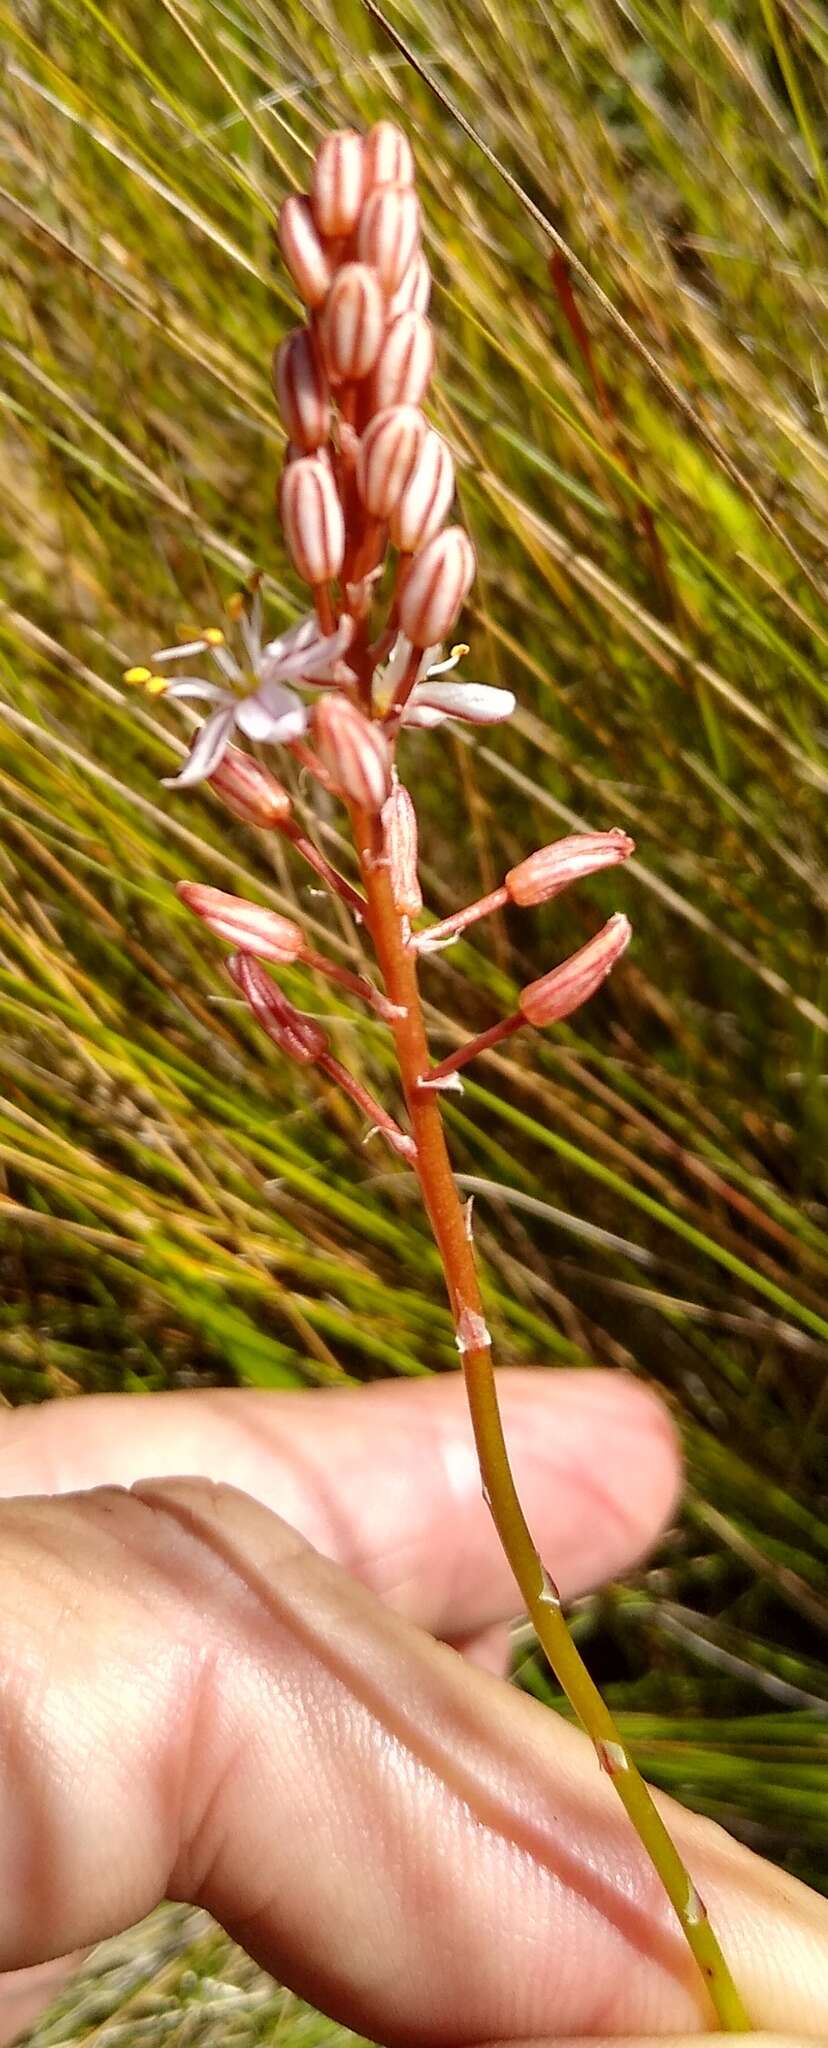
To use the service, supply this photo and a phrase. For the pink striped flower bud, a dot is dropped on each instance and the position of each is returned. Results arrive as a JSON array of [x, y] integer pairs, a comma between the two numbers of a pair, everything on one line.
[[404, 363], [301, 387], [438, 584], [353, 323], [389, 231], [245, 925], [294, 1033], [414, 290], [388, 456], [566, 987], [302, 250], [249, 791], [399, 825], [388, 158], [312, 518], [354, 751], [423, 505], [338, 182], [552, 868]]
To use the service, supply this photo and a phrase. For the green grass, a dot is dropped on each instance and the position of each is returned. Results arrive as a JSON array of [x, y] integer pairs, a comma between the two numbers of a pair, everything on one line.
[[643, 465]]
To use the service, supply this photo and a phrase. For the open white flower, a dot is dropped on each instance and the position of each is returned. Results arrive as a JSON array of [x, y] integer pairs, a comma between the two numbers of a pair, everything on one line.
[[432, 699], [253, 696]]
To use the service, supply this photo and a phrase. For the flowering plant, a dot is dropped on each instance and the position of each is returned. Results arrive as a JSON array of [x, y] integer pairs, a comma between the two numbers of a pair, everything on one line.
[[364, 498]]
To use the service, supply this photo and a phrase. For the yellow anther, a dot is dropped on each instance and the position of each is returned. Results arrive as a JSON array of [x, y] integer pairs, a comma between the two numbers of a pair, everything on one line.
[[458, 652], [137, 675], [235, 605], [156, 685], [213, 636]]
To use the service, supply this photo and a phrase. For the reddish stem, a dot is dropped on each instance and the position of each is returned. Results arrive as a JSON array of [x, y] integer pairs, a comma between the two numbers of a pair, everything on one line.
[[322, 867], [450, 927], [400, 1140], [356, 984], [494, 1036], [324, 607], [398, 964]]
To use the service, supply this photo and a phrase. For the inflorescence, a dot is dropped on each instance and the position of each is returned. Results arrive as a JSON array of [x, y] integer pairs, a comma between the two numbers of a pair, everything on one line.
[[364, 502]]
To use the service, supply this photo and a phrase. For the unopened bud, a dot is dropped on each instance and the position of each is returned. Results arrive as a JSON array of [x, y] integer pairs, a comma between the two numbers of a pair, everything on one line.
[[312, 519], [420, 510], [388, 158], [438, 584], [302, 250], [338, 182], [389, 230], [353, 323], [404, 363], [388, 456], [552, 868], [399, 825], [300, 1037], [354, 750], [414, 292], [566, 987], [248, 790], [301, 387], [245, 925]]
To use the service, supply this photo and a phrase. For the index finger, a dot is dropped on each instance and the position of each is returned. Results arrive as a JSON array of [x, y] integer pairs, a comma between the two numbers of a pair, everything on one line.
[[385, 1478]]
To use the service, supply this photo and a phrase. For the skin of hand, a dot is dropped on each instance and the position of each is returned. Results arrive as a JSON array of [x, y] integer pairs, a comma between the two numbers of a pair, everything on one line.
[[230, 1625]]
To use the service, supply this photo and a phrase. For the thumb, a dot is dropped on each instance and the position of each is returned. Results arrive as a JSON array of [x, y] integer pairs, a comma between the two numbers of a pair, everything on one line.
[[194, 1703]]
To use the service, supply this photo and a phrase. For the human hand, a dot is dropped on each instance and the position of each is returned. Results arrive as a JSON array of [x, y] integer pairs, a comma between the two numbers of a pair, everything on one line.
[[196, 1703]]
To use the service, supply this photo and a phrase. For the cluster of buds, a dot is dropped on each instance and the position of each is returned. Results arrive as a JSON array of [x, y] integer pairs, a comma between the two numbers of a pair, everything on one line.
[[365, 500], [364, 471]]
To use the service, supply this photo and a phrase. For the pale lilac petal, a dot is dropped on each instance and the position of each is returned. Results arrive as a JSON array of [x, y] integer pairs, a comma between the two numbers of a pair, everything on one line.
[[305, 655], [321, 660], [290, 643], [423, 716], [198, 687], [207, 750], [178, 653], [476, 703], [272, 713], [396, 664], [228, 664]]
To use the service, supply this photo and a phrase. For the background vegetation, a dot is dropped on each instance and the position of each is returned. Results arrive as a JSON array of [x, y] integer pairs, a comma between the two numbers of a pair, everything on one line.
[[640, 434]]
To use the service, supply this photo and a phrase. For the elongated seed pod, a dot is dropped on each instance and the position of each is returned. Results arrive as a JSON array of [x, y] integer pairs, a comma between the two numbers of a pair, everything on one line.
[[354, 750], [388, 456], [405, 362], [388, 158], [566, 987], [302, 250], [312, 519], [338, 182], [302, 390], [389, 231], [422, 506], [353, 323], [438, 582]]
